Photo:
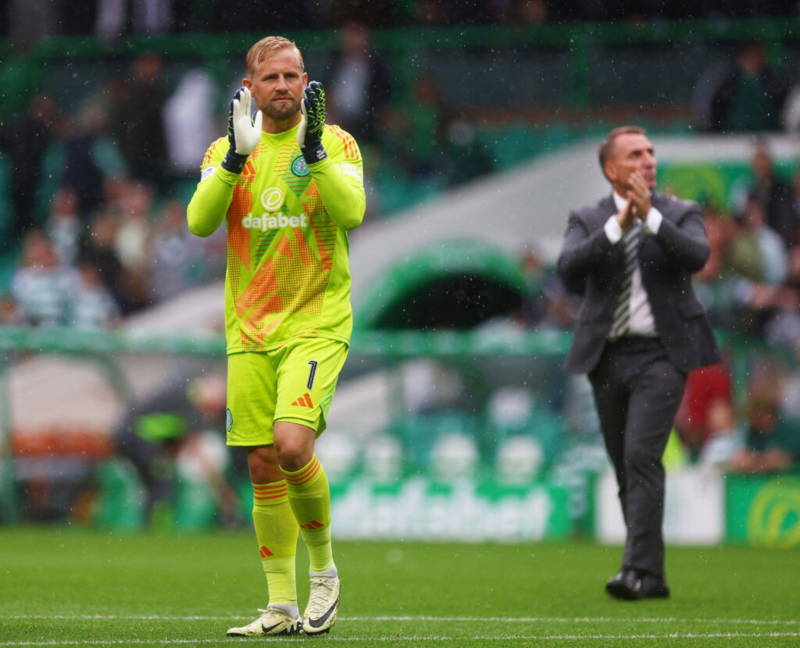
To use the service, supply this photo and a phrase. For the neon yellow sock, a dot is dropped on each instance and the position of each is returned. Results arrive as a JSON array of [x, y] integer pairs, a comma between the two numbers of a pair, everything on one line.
[[310, 498], [276, 532]]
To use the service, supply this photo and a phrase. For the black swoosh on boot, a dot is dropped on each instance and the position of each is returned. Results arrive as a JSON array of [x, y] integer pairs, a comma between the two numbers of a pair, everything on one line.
[[316, 623]]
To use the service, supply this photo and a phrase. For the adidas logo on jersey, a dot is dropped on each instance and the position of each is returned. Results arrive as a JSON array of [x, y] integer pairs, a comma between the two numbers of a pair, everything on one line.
[[304, 401], [270, 222]]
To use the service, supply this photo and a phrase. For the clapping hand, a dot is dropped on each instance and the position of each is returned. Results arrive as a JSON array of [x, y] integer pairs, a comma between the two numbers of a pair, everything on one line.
[[244, 132], [639, 195], [309, 135], [626, 216]]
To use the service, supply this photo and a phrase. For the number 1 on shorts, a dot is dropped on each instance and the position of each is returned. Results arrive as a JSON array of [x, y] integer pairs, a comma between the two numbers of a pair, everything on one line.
[[311, 373]]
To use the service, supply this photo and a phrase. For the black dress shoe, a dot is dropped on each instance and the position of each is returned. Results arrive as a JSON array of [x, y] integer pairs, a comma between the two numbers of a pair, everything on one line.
[[626, 586], [633, 585], [654, 586]]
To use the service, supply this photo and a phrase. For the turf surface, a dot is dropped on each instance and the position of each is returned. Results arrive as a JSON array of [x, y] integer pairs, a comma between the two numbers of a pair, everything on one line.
[[72, 587]]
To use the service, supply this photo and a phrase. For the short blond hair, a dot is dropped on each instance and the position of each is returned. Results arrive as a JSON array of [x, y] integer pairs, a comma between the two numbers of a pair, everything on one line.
[[267, 46]]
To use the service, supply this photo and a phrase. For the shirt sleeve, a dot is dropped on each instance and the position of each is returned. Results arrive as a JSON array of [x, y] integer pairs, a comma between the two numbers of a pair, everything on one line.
[[340, 179], [653, 220], [613, 229], [213, 194]]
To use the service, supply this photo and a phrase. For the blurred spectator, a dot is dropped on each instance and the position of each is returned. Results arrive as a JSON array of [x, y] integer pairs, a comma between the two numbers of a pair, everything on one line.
[[359, 87], [724, 440], [137, 121], [776, 197], [40, 287], [783, 326], [771, 443], [715, 285], [64, 226], [707, 407], [750, 95], [755, 250], [183, 424], [148, 17], [98, 247], [173, 253], [757, 255], [134, 230], [83, 172], [719, 231], [189, 123], [790, 117], [25, 140], [91, 305], [9, 313]]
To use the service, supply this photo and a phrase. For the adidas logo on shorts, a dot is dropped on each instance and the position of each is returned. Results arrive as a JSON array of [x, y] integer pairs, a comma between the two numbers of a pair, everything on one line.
[[304, 401]]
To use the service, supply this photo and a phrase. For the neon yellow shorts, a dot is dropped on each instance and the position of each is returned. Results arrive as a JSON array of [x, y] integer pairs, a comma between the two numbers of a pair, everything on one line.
[[293, 383]]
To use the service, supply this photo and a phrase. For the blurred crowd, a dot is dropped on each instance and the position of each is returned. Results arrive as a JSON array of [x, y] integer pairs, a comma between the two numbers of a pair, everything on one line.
[[111, 19], [174, 443], [751, 285], [111, 238], [751, 281], [89, 273]]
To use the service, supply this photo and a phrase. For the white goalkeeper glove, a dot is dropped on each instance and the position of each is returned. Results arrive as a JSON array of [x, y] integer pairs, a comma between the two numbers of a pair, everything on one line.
[[244, 132]]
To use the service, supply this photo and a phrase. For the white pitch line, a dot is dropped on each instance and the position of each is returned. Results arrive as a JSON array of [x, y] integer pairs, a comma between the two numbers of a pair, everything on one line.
[[452, 619], [409, 618], [421, 639]]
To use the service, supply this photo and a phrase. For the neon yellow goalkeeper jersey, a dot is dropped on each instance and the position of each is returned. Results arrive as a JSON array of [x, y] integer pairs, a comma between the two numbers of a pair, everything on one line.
[[288, 271]]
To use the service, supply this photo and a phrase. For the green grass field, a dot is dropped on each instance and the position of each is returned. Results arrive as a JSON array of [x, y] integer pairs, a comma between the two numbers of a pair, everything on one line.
[[72, 587]]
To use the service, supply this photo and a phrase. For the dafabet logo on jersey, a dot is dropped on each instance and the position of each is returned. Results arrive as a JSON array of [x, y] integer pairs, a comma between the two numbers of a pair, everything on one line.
[[269, 221], [272, 200]]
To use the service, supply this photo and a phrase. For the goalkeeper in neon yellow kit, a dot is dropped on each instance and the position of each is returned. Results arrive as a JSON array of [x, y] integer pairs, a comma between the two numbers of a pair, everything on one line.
[[289, 188]]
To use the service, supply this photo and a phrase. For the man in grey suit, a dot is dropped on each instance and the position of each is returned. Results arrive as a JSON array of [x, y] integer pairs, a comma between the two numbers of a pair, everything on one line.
[[639, 330]]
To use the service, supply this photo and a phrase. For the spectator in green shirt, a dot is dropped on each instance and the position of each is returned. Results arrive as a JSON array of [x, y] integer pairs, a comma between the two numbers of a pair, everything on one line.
[[771, 443]]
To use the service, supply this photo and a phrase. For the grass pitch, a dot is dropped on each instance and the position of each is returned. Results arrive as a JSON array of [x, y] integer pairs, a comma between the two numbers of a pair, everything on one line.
[[72, 587]]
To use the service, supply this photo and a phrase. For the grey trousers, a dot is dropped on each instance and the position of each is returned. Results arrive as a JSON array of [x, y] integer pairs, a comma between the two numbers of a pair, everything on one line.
[[637, 391]]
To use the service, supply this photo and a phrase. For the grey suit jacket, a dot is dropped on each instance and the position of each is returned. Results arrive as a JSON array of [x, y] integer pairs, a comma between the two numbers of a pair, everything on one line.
[[667, 261]]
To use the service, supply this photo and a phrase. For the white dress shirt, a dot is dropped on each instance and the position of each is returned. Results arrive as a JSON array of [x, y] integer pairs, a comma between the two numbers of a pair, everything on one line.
[[641, 316]]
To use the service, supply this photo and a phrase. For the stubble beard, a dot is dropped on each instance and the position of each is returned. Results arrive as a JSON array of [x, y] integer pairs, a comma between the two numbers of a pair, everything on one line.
[[282, 112]]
